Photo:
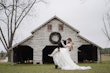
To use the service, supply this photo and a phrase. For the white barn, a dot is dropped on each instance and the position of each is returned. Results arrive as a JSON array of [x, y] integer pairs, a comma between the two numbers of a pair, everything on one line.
[[44, 39]]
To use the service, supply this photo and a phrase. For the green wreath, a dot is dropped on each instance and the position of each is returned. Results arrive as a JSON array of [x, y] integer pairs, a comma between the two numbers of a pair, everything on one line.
[[55, 34]]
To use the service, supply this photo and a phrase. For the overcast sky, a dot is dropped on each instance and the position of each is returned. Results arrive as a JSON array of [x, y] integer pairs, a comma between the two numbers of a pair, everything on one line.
[[84, 15]]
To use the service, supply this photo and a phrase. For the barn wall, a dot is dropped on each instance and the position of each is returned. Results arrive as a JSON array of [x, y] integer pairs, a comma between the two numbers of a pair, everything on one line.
[[99, 55], [41, 38]]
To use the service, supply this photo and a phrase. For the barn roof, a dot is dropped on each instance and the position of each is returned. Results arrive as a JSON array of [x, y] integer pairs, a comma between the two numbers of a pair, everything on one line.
[[55, 17], [88, 41]]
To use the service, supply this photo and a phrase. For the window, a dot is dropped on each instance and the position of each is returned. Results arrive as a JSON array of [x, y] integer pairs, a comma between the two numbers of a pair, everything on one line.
[[60, 27], [49, 27]]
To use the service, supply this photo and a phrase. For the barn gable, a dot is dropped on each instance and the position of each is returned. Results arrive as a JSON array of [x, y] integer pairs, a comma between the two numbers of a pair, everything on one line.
[[42, 45], [55, 18]]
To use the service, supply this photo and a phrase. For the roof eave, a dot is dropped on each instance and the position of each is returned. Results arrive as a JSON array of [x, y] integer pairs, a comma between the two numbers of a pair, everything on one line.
[[89, 41], [15, 45]]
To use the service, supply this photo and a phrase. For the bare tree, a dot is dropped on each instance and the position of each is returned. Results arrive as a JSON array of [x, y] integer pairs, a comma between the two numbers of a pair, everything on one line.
[[12, 13], [106, 20], [106, 29]]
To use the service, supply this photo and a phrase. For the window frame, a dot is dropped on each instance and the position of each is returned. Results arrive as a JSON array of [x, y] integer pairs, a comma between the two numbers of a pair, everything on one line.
[[61, 27], [49, 27]]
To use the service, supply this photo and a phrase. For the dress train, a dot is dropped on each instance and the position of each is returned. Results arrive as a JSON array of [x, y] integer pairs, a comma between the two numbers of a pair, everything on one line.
[[63, 60]]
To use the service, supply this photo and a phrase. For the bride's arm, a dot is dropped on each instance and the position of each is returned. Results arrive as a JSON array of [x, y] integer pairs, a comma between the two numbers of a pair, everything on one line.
[[68, 45], [63, 44]]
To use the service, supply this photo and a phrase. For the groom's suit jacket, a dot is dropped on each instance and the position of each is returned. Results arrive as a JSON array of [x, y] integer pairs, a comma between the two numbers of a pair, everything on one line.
[[60, 44]]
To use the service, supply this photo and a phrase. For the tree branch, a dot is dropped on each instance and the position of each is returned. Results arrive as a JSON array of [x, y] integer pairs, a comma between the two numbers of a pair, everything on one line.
[[22, 13], [26, 13], [106, 32], [108, 18], [4, 39], [16, 12], [3, 6], [3, 44], [8, 31], [11, 22]]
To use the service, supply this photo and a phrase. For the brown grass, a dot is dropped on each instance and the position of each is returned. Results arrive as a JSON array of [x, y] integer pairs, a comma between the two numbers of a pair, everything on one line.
[[105, 57]]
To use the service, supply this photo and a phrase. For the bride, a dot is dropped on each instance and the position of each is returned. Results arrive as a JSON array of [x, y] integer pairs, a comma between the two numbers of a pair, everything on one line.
[[62, 58]]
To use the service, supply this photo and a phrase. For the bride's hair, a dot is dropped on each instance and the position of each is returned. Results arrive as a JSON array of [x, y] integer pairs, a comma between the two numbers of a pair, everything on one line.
[[69, 39], [71, 43]]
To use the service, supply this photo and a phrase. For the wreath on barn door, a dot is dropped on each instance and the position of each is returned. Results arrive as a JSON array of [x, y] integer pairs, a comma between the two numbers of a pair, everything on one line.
[[55, 37]]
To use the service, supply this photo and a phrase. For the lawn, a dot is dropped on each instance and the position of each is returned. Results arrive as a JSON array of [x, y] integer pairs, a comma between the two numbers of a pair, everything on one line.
[[103, 67]]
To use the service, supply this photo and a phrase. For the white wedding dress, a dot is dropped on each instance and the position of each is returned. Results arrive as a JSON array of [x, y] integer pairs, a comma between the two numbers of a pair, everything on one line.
[[63, 60]]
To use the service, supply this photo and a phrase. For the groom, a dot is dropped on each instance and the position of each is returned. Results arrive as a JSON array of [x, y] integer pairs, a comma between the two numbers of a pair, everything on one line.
[[60, 46]]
